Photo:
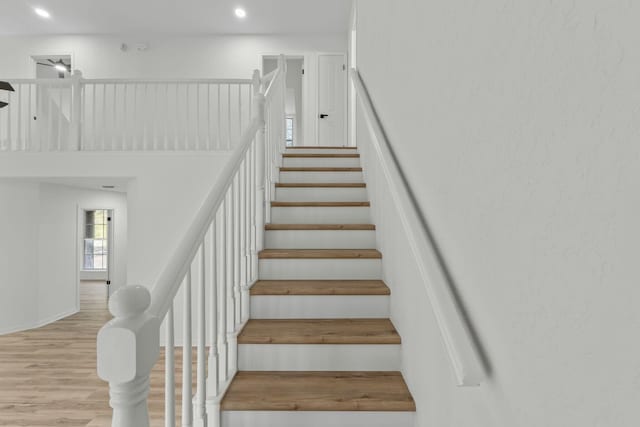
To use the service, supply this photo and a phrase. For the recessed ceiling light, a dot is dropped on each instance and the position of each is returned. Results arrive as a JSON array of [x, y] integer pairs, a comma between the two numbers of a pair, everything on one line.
[[42, 13], [241, 13]]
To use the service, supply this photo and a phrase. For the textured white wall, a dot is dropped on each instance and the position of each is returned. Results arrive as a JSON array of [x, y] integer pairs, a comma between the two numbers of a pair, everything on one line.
[[517, 125]]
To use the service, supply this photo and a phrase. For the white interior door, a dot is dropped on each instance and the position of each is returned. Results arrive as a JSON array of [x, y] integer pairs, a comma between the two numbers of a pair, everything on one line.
[[332, 100]]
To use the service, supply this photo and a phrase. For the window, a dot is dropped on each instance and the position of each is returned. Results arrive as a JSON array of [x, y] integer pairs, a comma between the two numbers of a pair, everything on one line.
[[289, 132], [96, 229]]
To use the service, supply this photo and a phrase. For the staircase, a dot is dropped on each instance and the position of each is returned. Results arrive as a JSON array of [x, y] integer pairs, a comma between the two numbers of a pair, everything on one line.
[[283, 307], [319, 348]]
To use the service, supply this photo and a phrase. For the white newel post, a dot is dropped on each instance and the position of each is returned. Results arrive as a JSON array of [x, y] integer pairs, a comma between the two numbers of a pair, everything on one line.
[[258, 111], [128, 347], [76, 111]]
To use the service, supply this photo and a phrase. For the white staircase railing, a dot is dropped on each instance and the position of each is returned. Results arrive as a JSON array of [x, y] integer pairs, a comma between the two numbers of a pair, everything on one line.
[[80, 114], [217, 260], [464, 354]]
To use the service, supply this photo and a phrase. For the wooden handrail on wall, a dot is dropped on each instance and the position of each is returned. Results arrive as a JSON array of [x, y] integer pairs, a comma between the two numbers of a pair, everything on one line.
[[464, 354]]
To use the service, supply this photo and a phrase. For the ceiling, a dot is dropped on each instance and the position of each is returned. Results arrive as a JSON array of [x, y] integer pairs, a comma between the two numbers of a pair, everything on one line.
[[174, 17]]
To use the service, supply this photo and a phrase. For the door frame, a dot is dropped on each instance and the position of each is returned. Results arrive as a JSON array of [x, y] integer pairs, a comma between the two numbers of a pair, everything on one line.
[[353, 63], [34, 58], [81, 209], [305, 85], [345, 97]]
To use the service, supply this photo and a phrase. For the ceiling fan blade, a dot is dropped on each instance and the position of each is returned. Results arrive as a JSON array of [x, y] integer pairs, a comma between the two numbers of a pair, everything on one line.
[[3, 104], [46, 65], [6, 86], [52, 61]]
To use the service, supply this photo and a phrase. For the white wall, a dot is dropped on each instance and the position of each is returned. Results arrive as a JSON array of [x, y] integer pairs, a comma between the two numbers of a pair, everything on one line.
[[18, 253], [167, 56], [516, 124], [41, 247]]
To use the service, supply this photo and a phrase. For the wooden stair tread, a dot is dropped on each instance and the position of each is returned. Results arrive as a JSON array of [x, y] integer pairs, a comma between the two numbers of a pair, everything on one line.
[[320, 254], [321, 147], [319, 331], [321, 185], [319, 169], [317, 391], [271, 227], [320, 287], [319, 204], [319, 155]]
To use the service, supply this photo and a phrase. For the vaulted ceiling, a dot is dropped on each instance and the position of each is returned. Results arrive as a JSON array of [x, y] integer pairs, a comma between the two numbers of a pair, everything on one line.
[[174, 16]]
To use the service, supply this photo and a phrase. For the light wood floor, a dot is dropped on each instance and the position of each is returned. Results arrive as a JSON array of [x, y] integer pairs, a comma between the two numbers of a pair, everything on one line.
[[48, 375]]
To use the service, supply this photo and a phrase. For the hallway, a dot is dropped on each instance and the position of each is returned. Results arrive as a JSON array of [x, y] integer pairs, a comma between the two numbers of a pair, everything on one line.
[[48, 375]]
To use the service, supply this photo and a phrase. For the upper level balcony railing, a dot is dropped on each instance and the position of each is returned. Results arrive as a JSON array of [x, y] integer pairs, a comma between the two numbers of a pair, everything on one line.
[[80, 114]]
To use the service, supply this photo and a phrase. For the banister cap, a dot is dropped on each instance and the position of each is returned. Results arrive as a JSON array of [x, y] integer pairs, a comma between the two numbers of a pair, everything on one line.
[[129, 301]]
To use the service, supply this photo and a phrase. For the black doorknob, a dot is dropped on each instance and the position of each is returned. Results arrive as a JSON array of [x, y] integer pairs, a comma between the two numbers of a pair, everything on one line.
[[322, 116]]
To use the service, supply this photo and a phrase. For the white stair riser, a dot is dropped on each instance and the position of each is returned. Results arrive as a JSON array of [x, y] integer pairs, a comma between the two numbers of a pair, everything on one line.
[[319, 306], [319, 357], [326, 162], [320, 239], [321, 194], [316, 419], [320, 269], [312, 150], [320, 177], [320, 215]]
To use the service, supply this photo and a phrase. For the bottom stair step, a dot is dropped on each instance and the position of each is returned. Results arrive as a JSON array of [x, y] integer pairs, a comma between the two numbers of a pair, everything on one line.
[[317, 419], [318, 391]]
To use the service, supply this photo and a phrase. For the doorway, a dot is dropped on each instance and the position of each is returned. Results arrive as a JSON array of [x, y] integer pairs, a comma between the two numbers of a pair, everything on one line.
[[294, 101], [96, 248], [332, 100], [52, 66]]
